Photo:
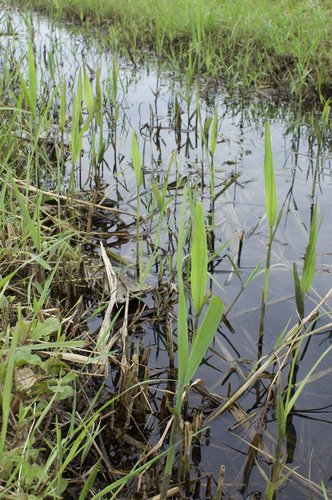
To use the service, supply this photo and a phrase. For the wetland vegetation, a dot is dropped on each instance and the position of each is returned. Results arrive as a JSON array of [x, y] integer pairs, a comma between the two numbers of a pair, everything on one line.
[[262, 45], [165, 250]]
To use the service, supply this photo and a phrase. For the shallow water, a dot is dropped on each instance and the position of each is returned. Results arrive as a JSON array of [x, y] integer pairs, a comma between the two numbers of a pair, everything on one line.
[[147, 101]]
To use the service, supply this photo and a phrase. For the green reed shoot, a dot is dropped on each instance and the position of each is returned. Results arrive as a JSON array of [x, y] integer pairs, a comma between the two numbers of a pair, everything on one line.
[[76, 137], [32, 82], [303, 286], [88, 94], [271, 215], [136, 159], [309, 265], [284, 407], [199, 259], [269, 178], [189, 360]]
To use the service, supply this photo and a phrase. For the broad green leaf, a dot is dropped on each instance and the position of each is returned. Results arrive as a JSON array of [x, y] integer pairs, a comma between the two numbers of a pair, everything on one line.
[[135, 155], [4, 281], [199, 259], [207, 125], [40, 261], [61, 392], [46, 328], [269, 491], [298, 292], [309, 265], [204, 336], [88, 92], [281, 417], [90, 480], [24, 356], [270, 182]]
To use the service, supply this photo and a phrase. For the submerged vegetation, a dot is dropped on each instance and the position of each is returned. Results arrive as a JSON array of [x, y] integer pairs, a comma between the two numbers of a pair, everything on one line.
[[283, 45], [133, 241]]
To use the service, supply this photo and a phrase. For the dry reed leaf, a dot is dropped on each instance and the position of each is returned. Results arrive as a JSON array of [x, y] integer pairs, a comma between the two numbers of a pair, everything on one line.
[[24, 379], [161, 440], [112, 284]]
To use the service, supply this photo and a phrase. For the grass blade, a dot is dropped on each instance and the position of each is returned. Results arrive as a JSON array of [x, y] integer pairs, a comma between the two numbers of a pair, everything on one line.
[[7, 387], [310, 254], [135, 155], [298, 292], [31, 227], [214, 134], [270, 182], [204, 336], [32, 82], [199, 259]]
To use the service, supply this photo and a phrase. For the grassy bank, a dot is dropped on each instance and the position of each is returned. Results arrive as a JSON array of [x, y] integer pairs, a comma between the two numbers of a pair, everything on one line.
[[284, 44]]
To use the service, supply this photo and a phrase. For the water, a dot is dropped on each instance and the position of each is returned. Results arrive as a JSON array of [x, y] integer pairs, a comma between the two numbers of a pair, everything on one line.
[[148, 101]]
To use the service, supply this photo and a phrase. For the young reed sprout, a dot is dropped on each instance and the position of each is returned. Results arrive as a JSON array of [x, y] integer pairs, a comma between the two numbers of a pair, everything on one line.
[[199, 260], [271, 215], [303, 286], [285, 405], [190, 359], [269, 178]]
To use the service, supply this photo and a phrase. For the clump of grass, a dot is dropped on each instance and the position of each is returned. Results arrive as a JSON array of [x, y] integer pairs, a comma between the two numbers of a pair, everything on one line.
[[284, 44]]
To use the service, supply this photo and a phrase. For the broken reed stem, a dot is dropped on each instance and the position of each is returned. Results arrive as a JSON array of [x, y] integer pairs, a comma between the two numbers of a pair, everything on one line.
[[77, 201], [220, 483]]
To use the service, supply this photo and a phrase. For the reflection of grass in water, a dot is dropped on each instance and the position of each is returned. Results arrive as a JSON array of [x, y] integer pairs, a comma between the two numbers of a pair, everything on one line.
[[52, 428], [285, 43]]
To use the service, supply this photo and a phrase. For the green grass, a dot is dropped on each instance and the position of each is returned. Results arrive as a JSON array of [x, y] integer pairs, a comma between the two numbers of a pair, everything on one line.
[[285, 44]]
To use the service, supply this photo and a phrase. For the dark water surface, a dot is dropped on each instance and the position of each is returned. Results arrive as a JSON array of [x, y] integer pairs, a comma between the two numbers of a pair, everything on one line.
[[148, 101]]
